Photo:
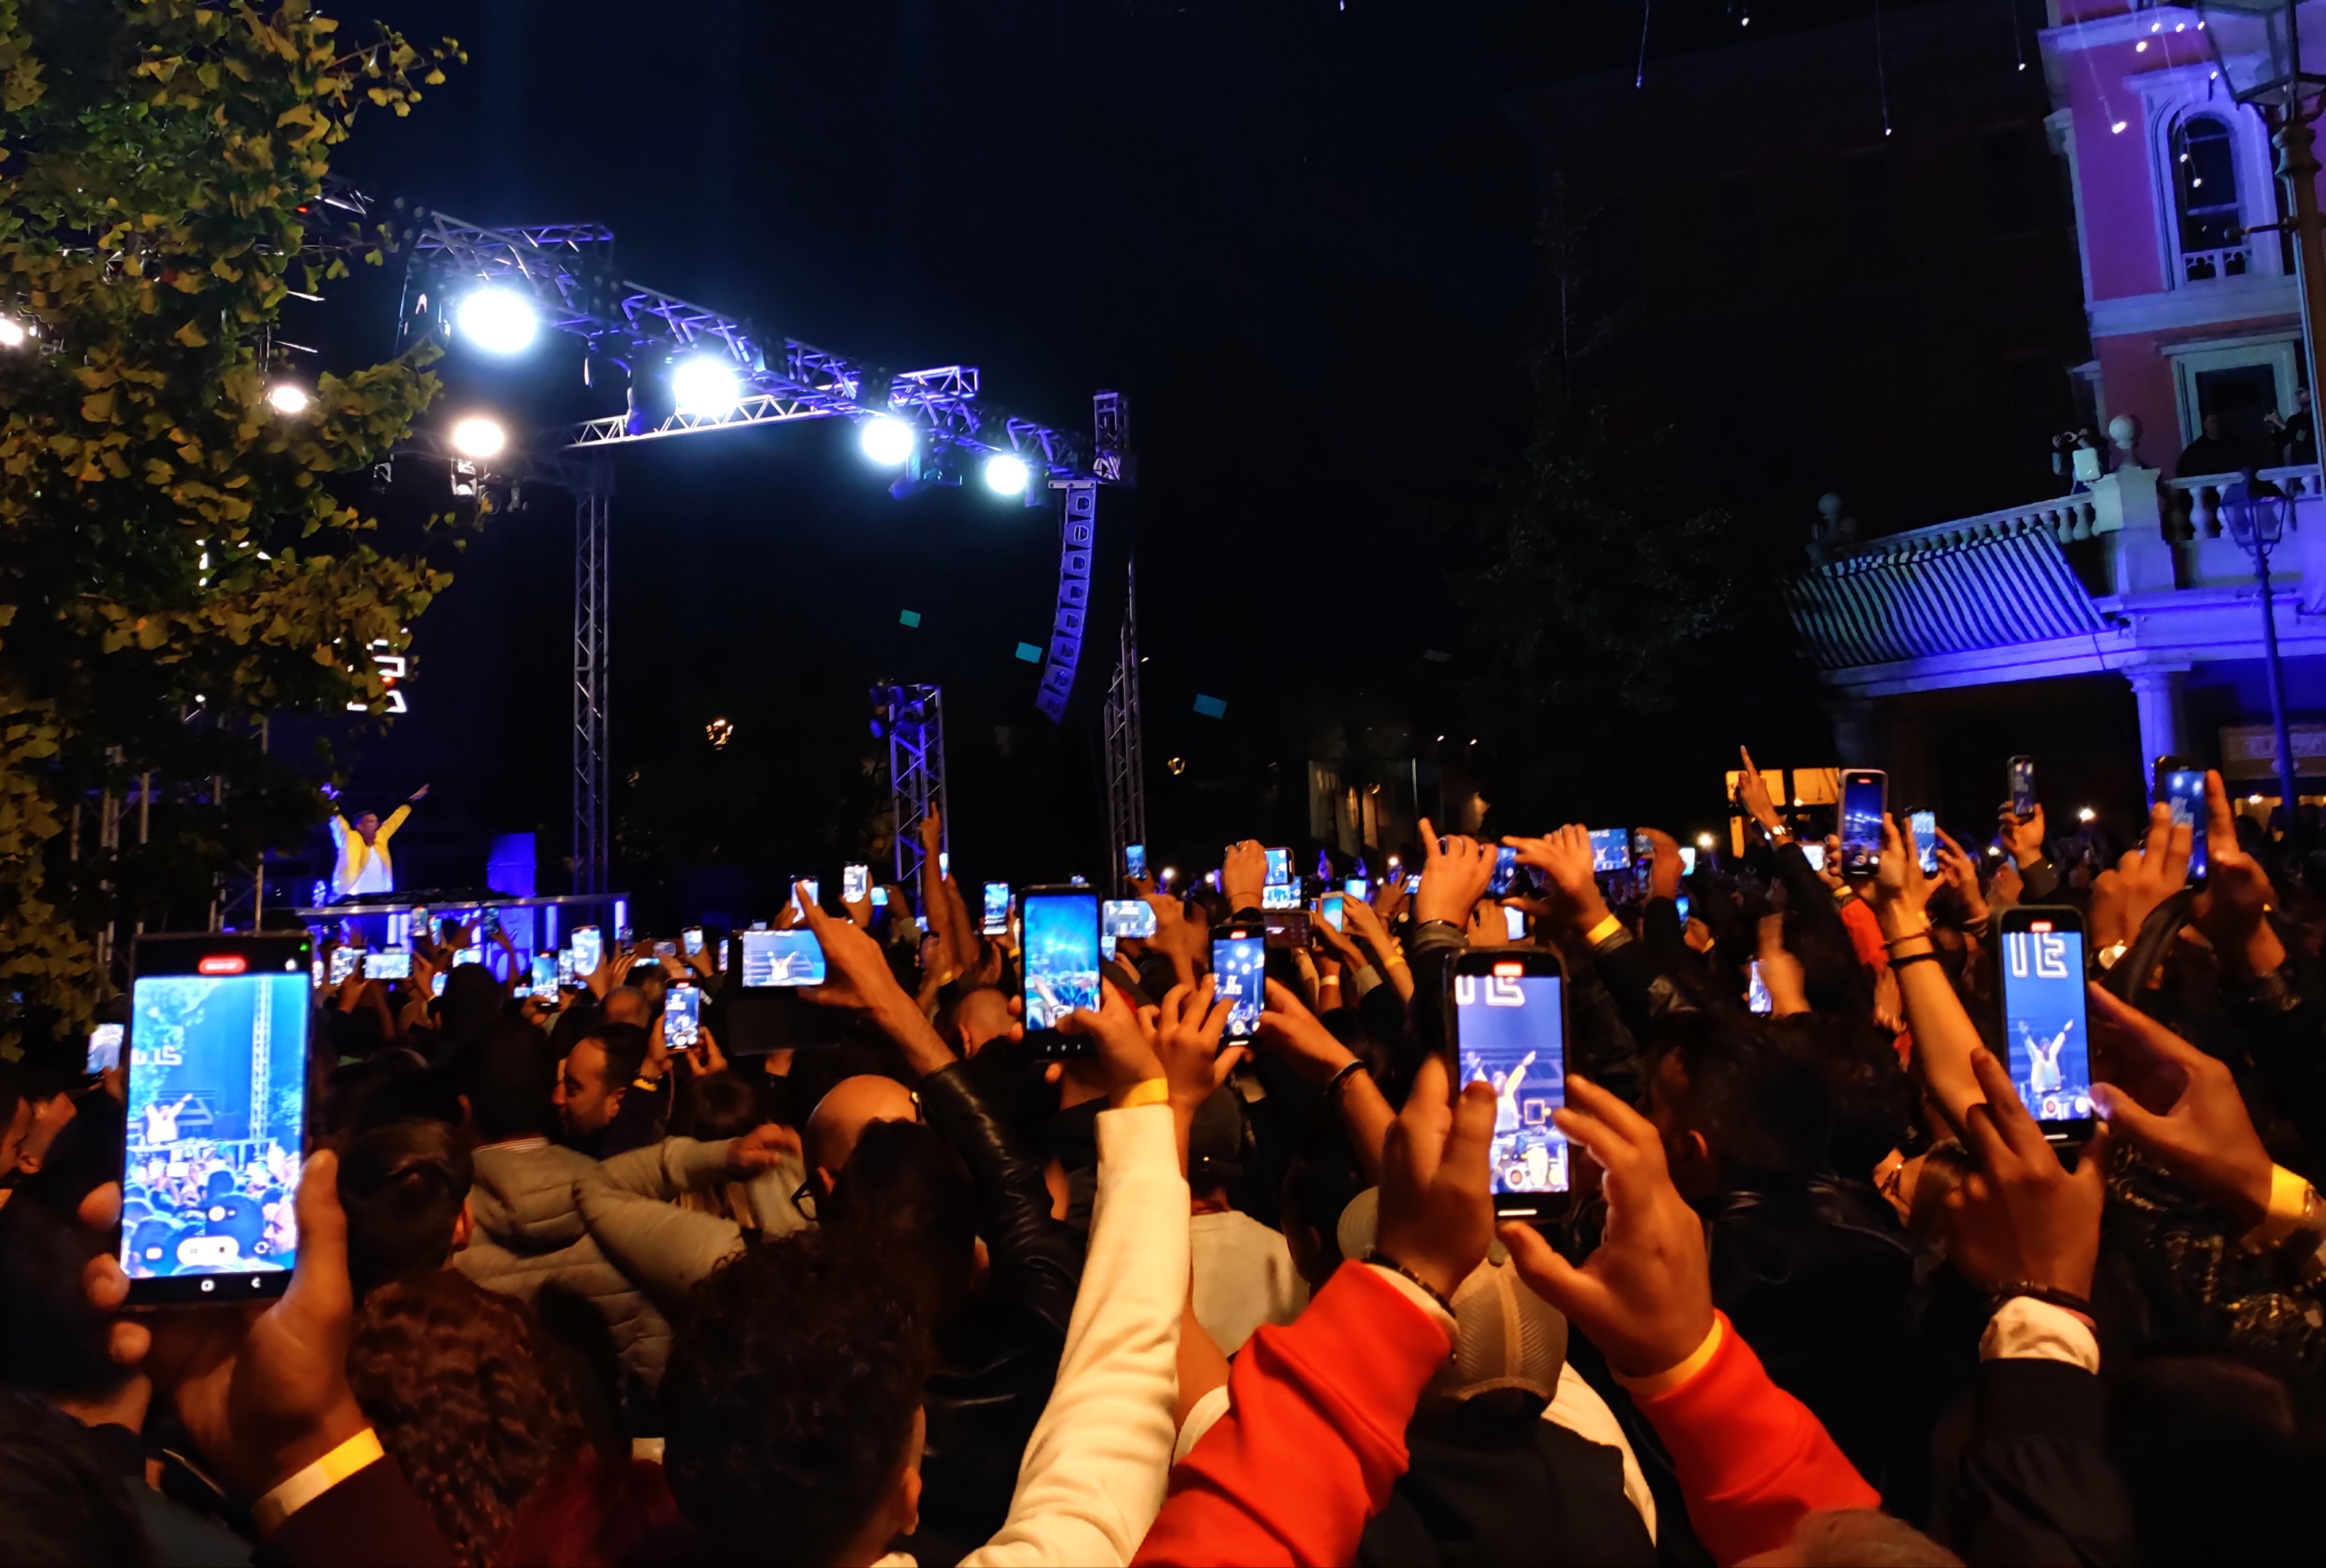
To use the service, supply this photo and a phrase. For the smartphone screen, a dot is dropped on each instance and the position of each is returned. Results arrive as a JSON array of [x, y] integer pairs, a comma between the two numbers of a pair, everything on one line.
[[1331, 903], [1815, 854], [1924, 825], [1688, 859], [564, 967], [436, 983], [1413, 882], [489, 922], [1134, 862], [1756, 989], [1506, 870], [1514, 923], [879, 897], [104, 1049], [996, 908], [1358, 888], [682, 1017], [1133, 917], [387, 966], [780, 958], [2044, 1017], [1061, 960], [1280, 866], [2022, 787], [1611, 850], [545, 977], [1864, 796], [469, 955], [588, 950], [691, 939], [1288, 928], [944, 862], [813, 894], [1510, 1032], [217, 1117], [1682, 902], [1239, 969], [855, 882], [1280, 895], [316, 971], [345, 961], [2183, 787]]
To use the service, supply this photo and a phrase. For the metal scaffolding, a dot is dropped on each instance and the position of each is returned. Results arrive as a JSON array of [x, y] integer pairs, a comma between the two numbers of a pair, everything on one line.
[[592, 531], [912, 719], [1126, 772]]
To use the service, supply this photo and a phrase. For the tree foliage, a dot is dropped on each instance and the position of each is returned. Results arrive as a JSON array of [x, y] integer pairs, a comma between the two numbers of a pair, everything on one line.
[[171, 547]]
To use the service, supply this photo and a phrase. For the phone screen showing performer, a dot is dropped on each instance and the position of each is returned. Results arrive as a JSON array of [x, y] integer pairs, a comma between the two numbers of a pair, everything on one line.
[[2045, 1022], [780, 958], [1510, 1033], [1239, 968], [682, 1017], [1061, 932], [216, 1117]]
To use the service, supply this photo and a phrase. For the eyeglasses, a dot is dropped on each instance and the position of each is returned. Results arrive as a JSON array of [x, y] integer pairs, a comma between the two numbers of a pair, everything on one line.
[[804, 1197]]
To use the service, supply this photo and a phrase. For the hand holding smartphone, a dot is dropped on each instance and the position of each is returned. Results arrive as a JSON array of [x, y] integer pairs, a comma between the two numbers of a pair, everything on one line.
[[1510, 1032], [1864, 802], [1060, 966], [1240, 974], [2045, 1026]]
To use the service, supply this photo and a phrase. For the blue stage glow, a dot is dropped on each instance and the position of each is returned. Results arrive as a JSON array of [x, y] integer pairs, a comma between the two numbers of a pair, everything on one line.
[[1006, 474], [886, 441], [497, 320]]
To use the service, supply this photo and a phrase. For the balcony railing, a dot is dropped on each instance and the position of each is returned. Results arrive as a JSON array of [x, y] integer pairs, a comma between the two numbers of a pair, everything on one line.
[[2068, 517], [2191, 502], [2230, 261]]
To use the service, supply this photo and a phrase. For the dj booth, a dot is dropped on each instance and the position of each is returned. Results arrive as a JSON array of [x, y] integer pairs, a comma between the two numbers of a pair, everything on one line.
[[532, 924]]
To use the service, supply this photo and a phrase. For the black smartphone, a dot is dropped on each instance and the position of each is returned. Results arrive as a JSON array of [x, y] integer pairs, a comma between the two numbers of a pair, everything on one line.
[[1239, 977], [778, 958], [2045, 1022], [1611, 850], [2022, 787], [489, 923], [691, 940], [1059, 929], [996, 908], [1864, 800], [2180, 784], [1286, 927], [216, 1117], [1510, 1031], [1134, 862], [1506, 871], [682, 1017]]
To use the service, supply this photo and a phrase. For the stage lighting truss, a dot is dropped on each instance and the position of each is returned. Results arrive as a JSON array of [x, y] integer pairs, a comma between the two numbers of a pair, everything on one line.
[[567, 270]]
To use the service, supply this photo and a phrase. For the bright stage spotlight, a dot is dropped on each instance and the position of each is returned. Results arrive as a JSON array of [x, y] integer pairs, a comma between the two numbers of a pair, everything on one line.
[[12, 333], [705, 386], [478, 437], [1006, 474], [497, 320], [288, 397], [886, 441]]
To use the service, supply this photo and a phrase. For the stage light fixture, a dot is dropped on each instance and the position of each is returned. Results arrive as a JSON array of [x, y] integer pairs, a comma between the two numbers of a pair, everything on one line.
[[478, 437], [887, 442], [12, 333], [1006, 474], [705, 386], [288, 397], [497, 320]]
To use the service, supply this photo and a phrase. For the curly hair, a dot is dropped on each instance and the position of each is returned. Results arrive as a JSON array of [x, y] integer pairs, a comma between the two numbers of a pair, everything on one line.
[[456, 1380], [795, 1375]]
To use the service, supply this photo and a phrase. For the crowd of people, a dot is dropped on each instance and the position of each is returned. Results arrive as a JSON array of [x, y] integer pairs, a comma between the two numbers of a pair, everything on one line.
[[892, 1286]]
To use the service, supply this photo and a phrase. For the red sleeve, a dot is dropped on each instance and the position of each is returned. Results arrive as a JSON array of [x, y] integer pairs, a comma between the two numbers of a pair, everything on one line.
[[1314, 1437], [1750, 1459], [1865, 933]]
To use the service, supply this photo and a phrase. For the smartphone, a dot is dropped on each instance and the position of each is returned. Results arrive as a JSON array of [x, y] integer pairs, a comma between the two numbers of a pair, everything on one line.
[[1134, 862], [1133, 917], [944, 862], [2043, 1018], [1682, 902], [2022, 787], [1510, 1032], [1815, 854], [588, 950], [1611, 850], [216, 1117], [316, 971], [1688, 859], [388, 966], [545, 977], [1240, 971], [1413, 882], [855, 882], [1756, 989], [345, 961], [2180, 784], [814, 894], [879, 897], [104, 1049], [1864, 798], [1514, 923], [1331, 906], [1286, 927], [691, 939], [780, 958], [1358, 888], [469, 955], [436, 983], [682, 1017], [1060, 928], [623, 936], [1924, 826], [489, 923], [1280, 895], [1506, 870], [996, 908], [564, 968], [1280, 866]]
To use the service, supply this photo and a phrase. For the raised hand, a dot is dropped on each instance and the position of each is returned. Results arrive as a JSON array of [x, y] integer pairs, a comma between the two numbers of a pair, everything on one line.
[[1752, 794], [2023, 840], [1453, 878], [857, 977], [1294, 1035], [2233, 910], [2021, 1216], [1564, 858], [762, 1149], [1436, 1211], [1958, 871], [1126, 1041], [2148, 875], [2180, 1108], [1645, 1295], [1187, 1028], [1663, 863], [1243, 872], [1897, 885]]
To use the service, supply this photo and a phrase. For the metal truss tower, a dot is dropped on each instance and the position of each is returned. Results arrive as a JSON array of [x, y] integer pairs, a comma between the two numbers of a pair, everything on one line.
[[913, 718], [1126, 772], [592, 531]]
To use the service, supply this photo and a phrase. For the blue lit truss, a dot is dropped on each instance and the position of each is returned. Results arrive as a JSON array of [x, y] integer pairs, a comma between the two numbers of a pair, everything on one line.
[[568, 271]]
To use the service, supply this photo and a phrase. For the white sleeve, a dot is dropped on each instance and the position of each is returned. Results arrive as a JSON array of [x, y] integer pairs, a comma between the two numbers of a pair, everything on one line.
[[1096, 1470], [2024, 1328]]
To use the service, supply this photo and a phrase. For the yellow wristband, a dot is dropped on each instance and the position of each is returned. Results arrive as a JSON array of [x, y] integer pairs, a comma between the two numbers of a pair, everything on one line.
[[1145, 1091], [1672, 1376], [2292, 1206], [286, 1499], [1608, 926]]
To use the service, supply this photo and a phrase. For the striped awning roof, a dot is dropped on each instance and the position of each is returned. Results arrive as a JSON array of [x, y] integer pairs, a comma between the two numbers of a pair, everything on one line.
[[1882, 606]]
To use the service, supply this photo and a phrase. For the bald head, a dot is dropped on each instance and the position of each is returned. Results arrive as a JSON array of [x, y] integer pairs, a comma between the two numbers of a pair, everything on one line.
[[841, 1117], [628, 1005], [980, 1017]]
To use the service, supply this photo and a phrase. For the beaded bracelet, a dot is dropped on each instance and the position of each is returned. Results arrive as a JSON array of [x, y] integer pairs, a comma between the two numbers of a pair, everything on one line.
[[1376, 1256]]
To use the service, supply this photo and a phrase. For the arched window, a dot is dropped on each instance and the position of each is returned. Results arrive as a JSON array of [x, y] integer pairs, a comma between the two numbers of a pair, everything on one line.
[[2213, 243]]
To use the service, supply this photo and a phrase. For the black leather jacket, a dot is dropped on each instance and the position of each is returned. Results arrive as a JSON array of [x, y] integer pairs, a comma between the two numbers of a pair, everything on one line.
[[995, 1362]]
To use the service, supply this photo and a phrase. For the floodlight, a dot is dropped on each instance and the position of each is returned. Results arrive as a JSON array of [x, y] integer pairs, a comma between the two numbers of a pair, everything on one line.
[[497, 320], [288, 397], [887, 442], [705, 386], [1006, 474], [12, 333], [478, 437]]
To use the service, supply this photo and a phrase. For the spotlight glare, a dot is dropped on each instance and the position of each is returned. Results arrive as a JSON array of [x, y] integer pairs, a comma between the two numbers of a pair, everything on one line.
[[2086, 815], [497, 320], [12, 333], [1006, 474], [288, 397], [887, 442], [478, 437], [705, 386], [1704, 840]]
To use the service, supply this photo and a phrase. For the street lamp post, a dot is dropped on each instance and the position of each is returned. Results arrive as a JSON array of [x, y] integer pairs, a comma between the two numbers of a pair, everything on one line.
[[2254, 512]]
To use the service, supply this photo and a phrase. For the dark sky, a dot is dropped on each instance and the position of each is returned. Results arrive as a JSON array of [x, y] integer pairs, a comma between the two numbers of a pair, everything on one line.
[[1298, 236]]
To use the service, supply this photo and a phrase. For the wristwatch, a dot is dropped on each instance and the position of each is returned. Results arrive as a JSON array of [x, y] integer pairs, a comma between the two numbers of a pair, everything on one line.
[[2107, 956]]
